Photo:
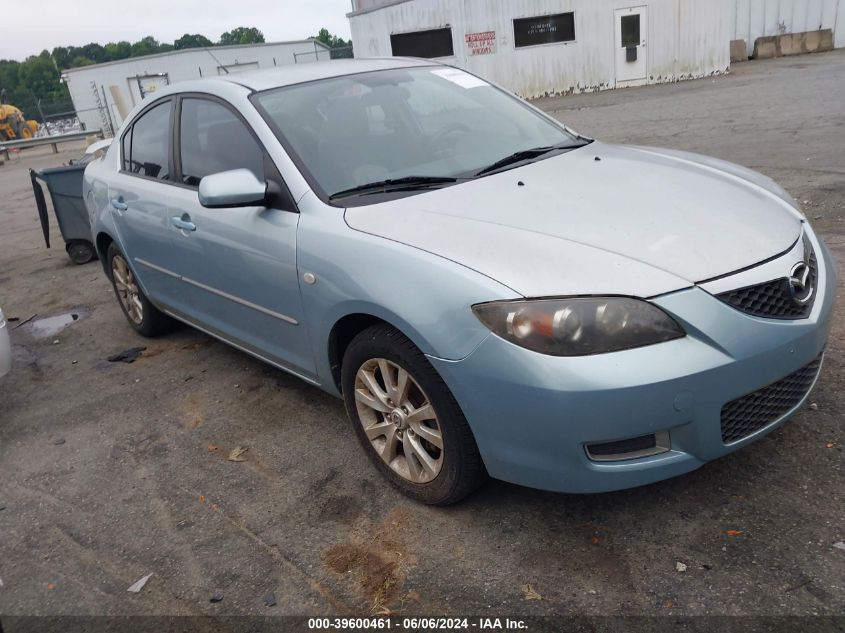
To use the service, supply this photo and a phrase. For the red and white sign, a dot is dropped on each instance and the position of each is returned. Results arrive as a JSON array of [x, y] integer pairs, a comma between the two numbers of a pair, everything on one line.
[[481, 43]]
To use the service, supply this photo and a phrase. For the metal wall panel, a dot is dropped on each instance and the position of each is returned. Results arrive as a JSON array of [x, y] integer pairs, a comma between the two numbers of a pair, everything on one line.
[[704, 38], [758, 18], [839, 25], [686, 38]]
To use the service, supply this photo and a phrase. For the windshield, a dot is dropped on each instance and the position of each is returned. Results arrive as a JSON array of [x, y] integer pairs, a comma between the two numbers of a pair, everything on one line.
[[431, 123]]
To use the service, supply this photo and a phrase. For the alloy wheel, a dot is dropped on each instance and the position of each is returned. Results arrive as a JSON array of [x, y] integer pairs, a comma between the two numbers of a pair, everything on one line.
[[399, 420], [127, 289]]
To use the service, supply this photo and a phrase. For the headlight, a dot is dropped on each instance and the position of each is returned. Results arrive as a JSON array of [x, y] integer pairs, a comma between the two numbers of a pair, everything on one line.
[[578, 326]]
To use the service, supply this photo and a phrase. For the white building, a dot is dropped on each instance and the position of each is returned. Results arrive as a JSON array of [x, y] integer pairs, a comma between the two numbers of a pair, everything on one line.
[[760, 18], [541, 47], [103, 93]]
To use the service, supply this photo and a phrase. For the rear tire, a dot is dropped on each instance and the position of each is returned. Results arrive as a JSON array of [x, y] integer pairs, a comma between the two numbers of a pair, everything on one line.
[[407, 420], [142, 315]]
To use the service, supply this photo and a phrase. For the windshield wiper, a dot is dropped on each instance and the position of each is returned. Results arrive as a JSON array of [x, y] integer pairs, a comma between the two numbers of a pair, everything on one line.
[[406, 183], [526, 154]]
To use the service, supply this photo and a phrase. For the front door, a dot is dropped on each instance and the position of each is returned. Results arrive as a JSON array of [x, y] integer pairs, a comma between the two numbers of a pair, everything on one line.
[[630, 46], [237, 265]]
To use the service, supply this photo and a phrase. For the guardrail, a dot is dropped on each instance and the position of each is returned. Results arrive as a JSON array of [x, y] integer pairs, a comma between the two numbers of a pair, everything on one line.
[[5, 146]]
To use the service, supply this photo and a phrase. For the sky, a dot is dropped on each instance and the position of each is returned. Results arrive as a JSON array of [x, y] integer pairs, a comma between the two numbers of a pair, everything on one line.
[[77, 22]]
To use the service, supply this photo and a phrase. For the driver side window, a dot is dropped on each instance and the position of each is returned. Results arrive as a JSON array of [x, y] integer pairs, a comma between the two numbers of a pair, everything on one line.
[[212, 139]]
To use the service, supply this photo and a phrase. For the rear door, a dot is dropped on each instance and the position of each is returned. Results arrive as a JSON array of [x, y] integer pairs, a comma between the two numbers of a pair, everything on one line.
[[238, 265], [138, 198]]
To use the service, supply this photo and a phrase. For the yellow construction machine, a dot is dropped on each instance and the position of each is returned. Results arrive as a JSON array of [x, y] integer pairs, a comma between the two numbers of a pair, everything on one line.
[[13, 125]]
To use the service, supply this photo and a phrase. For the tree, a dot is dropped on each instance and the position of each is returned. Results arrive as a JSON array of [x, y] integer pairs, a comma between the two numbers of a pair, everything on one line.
[[194, 40], [94, 52], [39, 75], [81, 60], [61, 57], [117, 50], [145, 46], [37, 79], [332, 41], [9, 81], [242, 35], [340, 47]]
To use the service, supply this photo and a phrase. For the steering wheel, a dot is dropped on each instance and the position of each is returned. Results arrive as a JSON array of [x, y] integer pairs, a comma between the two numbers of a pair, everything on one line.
[[444, 132]]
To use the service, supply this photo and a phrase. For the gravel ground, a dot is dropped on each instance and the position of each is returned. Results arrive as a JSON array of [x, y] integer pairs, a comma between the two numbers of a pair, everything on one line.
[[112, 471]]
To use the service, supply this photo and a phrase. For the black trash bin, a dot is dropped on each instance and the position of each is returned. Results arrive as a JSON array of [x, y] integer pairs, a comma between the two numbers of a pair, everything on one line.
[[65, 187]]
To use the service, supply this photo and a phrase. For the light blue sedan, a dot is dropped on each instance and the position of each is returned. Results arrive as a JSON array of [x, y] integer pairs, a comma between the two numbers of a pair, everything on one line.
[[488, 291]]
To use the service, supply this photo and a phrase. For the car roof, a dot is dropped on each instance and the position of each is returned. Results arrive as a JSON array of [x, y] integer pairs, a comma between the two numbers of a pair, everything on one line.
[[291, 74]]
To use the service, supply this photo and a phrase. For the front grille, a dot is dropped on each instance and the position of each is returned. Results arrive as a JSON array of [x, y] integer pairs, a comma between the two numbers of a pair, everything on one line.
[[752, 412], [772, 299]]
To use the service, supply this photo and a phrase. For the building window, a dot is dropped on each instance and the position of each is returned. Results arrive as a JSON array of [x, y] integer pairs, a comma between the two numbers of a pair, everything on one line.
[[545, 29], [431, 43], [630, 30]]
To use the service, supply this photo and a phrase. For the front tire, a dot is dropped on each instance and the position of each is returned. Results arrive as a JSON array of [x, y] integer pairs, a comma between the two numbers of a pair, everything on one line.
[[142, 315], [407, 420]]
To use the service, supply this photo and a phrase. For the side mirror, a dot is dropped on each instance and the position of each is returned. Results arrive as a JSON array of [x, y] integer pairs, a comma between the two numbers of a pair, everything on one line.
[[235, 188]]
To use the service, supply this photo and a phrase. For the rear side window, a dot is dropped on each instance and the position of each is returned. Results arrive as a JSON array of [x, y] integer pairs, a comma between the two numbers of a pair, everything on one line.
[[146, 146], [212, 139]]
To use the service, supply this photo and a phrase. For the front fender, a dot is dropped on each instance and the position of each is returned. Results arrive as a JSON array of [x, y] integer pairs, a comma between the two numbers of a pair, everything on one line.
[[428, 298]]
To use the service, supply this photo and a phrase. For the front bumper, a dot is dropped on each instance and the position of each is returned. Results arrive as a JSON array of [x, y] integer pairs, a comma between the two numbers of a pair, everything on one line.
[[532, 415]]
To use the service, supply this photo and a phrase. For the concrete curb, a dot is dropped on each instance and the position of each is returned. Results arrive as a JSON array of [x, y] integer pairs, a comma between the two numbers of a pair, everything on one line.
[[791, 44], [739, 51]]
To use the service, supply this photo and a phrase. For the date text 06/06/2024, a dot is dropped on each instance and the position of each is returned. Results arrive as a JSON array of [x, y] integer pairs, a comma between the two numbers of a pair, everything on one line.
[[416, 624]]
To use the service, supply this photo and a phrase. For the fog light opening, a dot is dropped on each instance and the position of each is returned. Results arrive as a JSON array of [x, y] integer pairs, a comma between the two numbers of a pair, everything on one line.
[[629, 448]]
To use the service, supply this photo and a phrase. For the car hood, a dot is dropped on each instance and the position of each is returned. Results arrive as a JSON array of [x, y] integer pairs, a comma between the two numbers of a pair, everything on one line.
[[600, 219]]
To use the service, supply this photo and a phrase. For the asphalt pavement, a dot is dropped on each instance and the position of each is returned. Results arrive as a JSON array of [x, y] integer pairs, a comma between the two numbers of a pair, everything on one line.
[[113, 471]]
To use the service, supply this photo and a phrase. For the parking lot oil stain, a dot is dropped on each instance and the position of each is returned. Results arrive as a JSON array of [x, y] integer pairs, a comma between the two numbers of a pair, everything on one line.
[[333, 499], [197, 344], [50, 326], [376, 574], [342, 508], [378, 560]]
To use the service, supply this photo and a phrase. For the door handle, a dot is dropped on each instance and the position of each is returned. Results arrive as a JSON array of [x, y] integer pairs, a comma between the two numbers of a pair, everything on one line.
[[184, 223], [119, 204]]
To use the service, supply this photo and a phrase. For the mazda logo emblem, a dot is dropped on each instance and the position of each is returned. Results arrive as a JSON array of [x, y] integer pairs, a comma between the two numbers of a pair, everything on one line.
[[800, 285]]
